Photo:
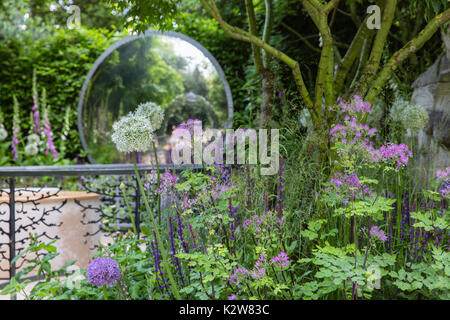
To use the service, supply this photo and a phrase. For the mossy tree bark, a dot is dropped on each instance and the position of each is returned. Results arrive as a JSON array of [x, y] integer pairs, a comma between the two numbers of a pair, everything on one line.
[[262, 60]]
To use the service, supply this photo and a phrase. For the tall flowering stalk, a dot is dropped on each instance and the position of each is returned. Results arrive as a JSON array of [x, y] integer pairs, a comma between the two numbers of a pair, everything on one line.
[[232, 211], [65, 129], [16, 129], [3, 132], [35, 109], [50, 146], [194, 240], [173, 253], [160, 279], [181, 235], [280, 190], [135, 133], [249, 188]]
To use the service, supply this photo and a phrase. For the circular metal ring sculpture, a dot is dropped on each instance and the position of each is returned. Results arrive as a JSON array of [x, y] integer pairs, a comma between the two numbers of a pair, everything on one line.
[[109, 54]]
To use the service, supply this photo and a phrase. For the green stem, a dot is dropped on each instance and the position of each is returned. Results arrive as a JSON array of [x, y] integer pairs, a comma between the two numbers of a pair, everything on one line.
[[104, 292], [155, 227], [130, 212], [158, 180], [157, 164]]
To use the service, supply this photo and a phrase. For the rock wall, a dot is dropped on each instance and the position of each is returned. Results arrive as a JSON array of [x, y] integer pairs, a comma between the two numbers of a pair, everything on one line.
[[432, 91]]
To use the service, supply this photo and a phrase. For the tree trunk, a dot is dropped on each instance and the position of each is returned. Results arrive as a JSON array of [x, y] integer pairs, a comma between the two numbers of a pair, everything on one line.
[[267, 99]]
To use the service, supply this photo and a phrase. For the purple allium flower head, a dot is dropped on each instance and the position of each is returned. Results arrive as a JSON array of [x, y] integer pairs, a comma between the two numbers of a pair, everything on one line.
[[232, 297], [103, 271]]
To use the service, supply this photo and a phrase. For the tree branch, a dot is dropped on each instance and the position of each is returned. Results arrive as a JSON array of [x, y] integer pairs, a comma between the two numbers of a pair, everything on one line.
[[352, 53], [254, 31], [355, 18], [312, 10], [411, 47], [242, 35], [324, 81], [268, 23], [331, 5], [377, 50], [312, 47]]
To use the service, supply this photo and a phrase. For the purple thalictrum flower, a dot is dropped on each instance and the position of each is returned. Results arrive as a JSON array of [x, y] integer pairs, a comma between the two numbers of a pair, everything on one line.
[[281, 260], [237, 276]]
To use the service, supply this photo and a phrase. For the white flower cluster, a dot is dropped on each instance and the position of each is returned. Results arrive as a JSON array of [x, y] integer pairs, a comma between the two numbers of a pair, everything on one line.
[[3, 133], [397, 109], [152, 112], [132, 133], [33, 139], [414, 117], [31, 149], [135, 131]]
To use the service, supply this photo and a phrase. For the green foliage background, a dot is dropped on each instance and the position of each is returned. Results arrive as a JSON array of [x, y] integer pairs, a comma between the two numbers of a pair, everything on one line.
[[62, 60]]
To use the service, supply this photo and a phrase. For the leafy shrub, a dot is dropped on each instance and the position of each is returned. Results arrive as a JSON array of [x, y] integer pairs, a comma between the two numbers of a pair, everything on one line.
[[62, 59]]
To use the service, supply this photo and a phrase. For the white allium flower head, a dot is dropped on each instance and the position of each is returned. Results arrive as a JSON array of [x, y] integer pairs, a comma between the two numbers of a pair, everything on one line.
[[133, 133], [3, 133], [397, 108], [153, 112], [31, 149], [415, 117], [33, 139]]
